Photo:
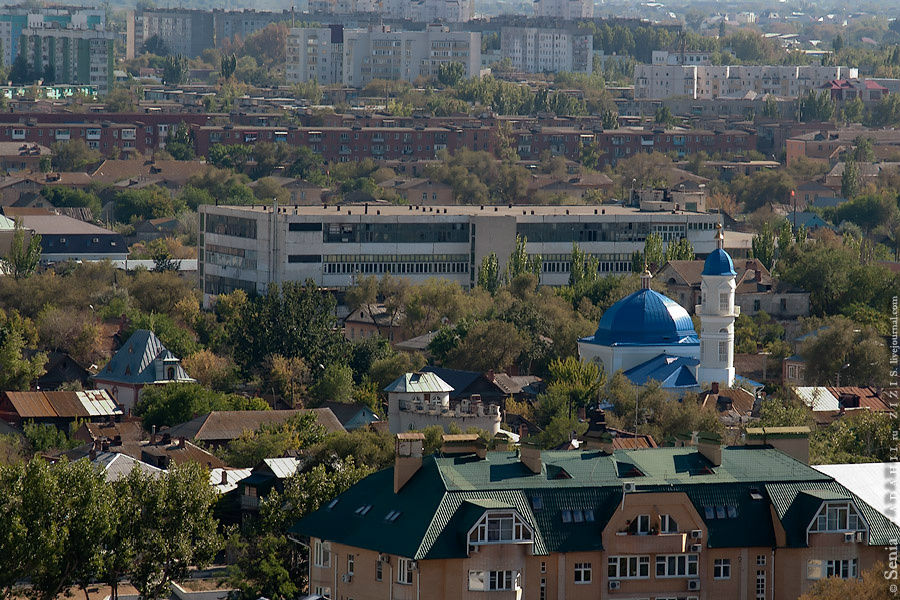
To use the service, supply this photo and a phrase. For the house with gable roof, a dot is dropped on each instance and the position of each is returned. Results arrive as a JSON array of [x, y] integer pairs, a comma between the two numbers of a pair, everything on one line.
[[141, 361]]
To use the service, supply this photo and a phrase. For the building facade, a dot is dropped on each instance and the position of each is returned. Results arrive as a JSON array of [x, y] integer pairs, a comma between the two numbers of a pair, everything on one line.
[[14, 20], [700, 521], [182, 31], [243, 247], [664, 80], [354, 57], [537, 50], [70, 55], [564, 9]]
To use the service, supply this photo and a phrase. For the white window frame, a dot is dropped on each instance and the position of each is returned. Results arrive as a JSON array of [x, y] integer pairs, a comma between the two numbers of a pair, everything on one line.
[[829, 518], [404, 571], [501, 527], [351, 563], [677, 565], [379, 570], [583, 573], [847, 568], [642, 525], [628, 567], [722, 568], [667, 524], [321, 554], [493, 581], [761, 585]]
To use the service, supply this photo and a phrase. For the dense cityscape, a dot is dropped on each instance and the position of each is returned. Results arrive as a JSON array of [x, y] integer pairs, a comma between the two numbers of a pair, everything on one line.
[[449, 299]]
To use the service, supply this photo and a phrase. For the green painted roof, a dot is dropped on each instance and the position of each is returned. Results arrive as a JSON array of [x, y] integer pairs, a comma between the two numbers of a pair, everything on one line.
[[419, 382], [448, 495], [796, 503]]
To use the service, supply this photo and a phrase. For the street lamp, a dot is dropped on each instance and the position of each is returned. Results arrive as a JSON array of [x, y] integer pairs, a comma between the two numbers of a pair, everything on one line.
[[631, 198]]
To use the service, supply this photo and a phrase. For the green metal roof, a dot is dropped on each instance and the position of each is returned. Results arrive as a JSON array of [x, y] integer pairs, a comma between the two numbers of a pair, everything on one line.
[[448, 495], [796, 503], [419, 383]]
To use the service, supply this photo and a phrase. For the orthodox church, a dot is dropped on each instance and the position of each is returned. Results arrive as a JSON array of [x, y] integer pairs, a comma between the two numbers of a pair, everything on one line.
[[649, 336]]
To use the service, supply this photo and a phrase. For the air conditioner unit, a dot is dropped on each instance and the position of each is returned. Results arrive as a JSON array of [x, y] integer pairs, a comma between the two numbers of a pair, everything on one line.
[[697, 534], [860, 536], [693, 584], [849, 537], [385, 558], [473, 548], [628, 487], [614, 584], [347, 577], [696, 547]]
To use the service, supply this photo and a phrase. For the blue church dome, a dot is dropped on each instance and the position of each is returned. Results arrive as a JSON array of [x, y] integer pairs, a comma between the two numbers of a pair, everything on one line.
[[718, 263], [645, 318]]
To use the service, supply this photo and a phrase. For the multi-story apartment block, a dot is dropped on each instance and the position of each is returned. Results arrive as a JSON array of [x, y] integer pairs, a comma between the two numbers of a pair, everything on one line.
[[315, 54], [662, 57], [693, 522], [230, 24], [564, 9], [14, 20], [663, 80], [111, 133], [244, 247], [79, 56], [182, 31], [538, 50], [378, 53]]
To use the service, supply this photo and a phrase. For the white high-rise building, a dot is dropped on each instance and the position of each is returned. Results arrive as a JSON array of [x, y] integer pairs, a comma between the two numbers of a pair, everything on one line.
[[717, 312], [564, 9], [377, 53], [537, 50]]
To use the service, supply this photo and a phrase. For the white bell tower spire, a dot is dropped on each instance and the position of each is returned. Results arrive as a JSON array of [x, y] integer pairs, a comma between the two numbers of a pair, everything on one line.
[[717, 314]]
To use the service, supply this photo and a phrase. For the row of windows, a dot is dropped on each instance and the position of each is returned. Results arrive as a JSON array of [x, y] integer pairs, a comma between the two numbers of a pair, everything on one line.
[[397, 233], [396, 268], [231, 226]]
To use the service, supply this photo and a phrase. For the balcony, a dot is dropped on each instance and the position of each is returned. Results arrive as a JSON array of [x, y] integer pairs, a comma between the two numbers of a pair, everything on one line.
[[663, 543]]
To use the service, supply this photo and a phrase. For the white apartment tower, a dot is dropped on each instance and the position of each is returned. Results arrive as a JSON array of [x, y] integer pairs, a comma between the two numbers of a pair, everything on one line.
[[537, 50], [315, 54], [717, 314]]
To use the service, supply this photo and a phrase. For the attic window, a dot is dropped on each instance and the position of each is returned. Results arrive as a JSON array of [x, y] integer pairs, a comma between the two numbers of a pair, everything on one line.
[[537, 503], [755, 494], [392, 516], [332, 504], [578, 516], [567, 516], [732, 511], [720, 512], [709, 512], [362, 510], [589, 515]]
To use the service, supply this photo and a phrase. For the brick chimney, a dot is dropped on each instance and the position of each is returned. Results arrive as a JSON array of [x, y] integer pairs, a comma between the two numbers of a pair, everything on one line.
[[715, 388], [530, 456], [407, 457], [710, 446]]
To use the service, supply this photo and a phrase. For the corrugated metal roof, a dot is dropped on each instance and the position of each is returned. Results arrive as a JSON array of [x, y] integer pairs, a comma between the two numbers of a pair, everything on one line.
[[282, 467], [817, 398], [31, 405], [231, 478], [419, 383], [117, 466], [135, 362], [67, 404]]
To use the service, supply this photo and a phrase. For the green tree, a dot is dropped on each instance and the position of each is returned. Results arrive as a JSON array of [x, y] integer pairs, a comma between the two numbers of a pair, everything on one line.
[[23, 258], [177, 530], [227, 66], [770, 108], [654, 254], [180, 142], [174, 70], [174, 403], [520, 262], [763, 246], [489, 273], [450, 73], [16, 370], [680, 250], [487, 345], [73, 155], [584, 270], [335, 384], [58, 195], [847, 351], [271, 324], [816, 106], [274, 441], [579, 381], [870, 586]]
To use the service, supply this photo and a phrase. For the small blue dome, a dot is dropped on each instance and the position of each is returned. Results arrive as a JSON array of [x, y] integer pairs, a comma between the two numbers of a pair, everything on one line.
[[645, 318], [718, 263]]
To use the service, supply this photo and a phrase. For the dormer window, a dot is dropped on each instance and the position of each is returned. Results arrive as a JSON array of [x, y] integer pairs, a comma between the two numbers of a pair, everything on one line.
[[837, 517], [499, 528]]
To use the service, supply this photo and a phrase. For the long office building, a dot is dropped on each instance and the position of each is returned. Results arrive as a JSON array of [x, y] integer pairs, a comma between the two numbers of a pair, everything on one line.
[[540, 50], [377, 53], [248, 248]]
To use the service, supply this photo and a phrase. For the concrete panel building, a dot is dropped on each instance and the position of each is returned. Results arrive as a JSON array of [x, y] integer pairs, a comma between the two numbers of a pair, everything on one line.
[[564, 9], [538, 50], [16, 19], [69, 55]]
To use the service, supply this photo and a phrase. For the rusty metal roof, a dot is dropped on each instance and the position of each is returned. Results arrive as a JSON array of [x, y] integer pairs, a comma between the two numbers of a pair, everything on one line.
[[31, 405], [66, 404]]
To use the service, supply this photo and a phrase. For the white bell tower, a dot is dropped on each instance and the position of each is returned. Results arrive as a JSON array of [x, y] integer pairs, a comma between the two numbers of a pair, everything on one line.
[[717, 314]]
